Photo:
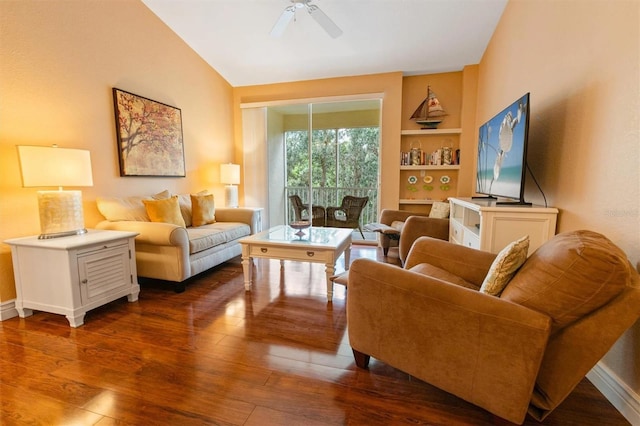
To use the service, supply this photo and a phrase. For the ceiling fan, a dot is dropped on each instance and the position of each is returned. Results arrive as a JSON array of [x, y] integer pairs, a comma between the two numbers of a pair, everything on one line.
[[321, 18]]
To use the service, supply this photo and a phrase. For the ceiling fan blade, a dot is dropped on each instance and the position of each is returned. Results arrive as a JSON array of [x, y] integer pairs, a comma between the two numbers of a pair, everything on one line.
[[283, 21], [325, 22]]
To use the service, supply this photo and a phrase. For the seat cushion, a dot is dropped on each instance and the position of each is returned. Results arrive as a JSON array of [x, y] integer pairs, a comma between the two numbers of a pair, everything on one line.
[[570, 276], [208, 236]]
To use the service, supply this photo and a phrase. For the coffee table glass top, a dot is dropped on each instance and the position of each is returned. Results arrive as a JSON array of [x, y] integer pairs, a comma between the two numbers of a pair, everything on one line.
[[313, 236]]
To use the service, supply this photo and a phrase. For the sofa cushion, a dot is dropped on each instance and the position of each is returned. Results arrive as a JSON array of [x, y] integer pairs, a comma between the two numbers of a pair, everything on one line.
[[569, 276], [203, 238], [184, 200], [441, 274], [164, 210], [203, 209], [208, 236], [162, 195], [504, 266], [118, 209]]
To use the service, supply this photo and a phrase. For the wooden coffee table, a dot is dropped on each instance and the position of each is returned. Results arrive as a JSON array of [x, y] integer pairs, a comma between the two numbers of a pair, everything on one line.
[[318, 245]]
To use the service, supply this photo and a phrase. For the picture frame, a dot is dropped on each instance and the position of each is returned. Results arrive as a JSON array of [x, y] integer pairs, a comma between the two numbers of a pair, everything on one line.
[[149, 136]]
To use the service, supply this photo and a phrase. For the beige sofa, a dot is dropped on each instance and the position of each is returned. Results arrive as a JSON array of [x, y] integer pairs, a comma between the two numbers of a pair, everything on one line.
[[171, 252], [521, 351]]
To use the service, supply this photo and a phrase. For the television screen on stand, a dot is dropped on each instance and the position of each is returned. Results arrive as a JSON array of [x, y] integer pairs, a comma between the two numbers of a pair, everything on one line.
[[502, 154]]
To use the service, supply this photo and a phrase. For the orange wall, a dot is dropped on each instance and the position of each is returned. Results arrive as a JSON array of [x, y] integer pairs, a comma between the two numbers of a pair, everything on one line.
[[58, 63], [581, 63]]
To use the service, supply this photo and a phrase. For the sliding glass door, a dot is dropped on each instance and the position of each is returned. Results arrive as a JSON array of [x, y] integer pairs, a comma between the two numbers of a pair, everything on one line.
[[320, 151]]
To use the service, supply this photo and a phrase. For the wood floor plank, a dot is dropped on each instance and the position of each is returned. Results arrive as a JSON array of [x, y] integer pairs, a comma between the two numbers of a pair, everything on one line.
[[215, 354]]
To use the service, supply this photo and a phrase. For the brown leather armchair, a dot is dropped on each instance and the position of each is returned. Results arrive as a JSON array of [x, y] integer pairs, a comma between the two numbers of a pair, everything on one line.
[[420, 225], [523, 351]]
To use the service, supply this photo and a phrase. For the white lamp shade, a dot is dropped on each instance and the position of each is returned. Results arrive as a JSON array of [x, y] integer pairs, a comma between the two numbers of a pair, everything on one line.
[[230, 174], [60, 211], [52, 166]]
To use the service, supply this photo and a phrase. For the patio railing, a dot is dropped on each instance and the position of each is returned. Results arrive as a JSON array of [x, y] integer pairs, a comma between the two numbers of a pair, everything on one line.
[[332, 197]]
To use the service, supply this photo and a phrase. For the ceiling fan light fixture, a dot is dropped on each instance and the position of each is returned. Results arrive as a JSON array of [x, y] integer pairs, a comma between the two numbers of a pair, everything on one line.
[[316, 13]]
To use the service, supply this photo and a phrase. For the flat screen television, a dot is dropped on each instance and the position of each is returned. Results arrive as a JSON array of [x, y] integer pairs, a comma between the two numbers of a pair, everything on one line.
[[502, 154]]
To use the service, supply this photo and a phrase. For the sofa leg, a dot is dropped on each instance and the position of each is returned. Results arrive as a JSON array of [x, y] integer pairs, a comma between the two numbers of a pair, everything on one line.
[[179, 287], [362, 360]]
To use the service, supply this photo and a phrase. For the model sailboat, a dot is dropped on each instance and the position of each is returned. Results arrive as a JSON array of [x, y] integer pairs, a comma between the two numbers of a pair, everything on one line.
[[430, 113]]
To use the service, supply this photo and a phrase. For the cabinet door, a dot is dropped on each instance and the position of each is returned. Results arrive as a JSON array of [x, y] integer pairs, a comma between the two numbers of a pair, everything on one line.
[[104, 272]]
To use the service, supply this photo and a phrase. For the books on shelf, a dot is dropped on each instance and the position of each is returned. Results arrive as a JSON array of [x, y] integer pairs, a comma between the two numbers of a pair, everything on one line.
[[436, 158]]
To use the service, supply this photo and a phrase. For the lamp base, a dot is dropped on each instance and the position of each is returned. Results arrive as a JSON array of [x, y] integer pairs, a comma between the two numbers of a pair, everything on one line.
[[62, 234], [231, 196], [61, 214]]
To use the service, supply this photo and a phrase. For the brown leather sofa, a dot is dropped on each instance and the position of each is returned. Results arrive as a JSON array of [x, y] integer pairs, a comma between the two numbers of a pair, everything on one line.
[[524, 351]]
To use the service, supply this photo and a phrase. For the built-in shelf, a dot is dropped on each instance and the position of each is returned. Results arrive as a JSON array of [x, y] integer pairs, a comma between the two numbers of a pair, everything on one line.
[[416, 201], [431, 167], [432, 132]]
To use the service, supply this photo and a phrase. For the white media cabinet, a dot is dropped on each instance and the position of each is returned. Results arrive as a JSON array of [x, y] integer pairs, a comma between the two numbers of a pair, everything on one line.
[[483, 225], [71, 275]]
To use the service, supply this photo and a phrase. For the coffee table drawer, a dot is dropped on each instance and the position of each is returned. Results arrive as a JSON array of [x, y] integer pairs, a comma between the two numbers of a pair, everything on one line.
[[286, 253]]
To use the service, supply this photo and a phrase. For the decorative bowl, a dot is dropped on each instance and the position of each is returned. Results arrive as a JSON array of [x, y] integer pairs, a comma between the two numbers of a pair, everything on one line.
[[300, 225]]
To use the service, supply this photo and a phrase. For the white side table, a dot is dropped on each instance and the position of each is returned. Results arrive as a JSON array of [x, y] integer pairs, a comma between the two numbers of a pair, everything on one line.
[[72, 275]]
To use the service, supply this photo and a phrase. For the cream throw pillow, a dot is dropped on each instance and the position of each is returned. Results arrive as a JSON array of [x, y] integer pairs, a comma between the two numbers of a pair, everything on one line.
[[505, 266], [117, 209], [202, 209], [162, 195], [166, 210], [439, 210]]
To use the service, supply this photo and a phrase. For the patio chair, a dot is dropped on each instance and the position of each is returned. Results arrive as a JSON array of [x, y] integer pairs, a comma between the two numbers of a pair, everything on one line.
[[348, 214], [301, 211]]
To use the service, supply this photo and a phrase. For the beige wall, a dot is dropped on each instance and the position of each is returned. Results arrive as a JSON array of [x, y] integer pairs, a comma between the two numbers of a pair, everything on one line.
[[581, 62], [58, 63]]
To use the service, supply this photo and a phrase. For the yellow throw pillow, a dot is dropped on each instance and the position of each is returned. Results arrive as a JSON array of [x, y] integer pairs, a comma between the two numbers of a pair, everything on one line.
[[202, 209], [504, 266], [166, 210]]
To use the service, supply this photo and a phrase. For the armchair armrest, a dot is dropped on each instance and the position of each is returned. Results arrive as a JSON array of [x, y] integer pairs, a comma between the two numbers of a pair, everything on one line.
[[388, 216], [481, 348], [154, 233], [331, 211], [470, 264]]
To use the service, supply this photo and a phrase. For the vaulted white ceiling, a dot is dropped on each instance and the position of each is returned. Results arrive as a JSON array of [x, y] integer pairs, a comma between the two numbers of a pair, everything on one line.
[[411, 36]]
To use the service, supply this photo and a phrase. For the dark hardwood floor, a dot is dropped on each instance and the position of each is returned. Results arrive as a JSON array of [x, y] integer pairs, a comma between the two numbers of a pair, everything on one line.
[[214, 354]]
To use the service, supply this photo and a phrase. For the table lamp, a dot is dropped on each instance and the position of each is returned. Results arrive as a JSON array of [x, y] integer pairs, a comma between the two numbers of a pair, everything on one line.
[[60, 211], [230, 175]]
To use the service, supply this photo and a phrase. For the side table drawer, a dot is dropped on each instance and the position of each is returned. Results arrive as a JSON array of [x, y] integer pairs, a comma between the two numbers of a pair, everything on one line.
[[103, 246], [456, 232], [286, 253], [471, 240]]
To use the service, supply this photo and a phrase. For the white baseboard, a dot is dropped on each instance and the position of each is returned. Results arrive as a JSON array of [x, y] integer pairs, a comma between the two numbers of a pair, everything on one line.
[[626, 401], [8, 309]]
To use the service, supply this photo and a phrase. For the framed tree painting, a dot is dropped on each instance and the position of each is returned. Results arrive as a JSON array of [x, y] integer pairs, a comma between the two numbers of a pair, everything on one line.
[[149, 135]]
